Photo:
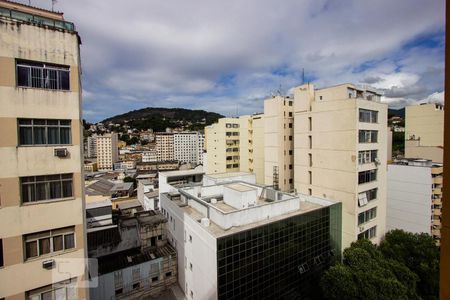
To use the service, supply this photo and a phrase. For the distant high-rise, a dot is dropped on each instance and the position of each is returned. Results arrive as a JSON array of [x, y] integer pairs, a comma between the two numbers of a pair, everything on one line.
[[188, 147], [164, 146], [107, 151], [42, 227], [91, 146]]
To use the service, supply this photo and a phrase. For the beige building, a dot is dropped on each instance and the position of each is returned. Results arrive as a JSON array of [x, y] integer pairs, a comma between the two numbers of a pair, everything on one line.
[[222, 146], [236, 144], [42, 240], [164, 146], [340, 154], [279, 143], [424, 132], [107, 151]]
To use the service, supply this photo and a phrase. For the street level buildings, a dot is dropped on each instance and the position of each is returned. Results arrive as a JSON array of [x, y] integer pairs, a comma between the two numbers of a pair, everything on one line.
[[236, 239], [42, 224]]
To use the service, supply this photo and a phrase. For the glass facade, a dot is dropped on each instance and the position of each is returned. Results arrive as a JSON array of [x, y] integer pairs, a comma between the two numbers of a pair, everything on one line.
[[280, 260]]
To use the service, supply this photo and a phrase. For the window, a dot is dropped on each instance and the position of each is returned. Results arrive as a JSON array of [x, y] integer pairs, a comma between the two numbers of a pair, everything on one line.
[[310, 177], [190, 238], [154, 279], [290, 152], [371, 194], [368, 136], [118, 291], [44, 132], [368, 234], [290, 167], [42, 75], [290, 114], [290, 137], [367, 176], [310, 141], [369, 156], [47, 187], [310, 122], [290, 125], [368, 116], [64, 290], [310, 159], [168, 274], [367, 215], [310, 192], [190, 266], [46, 242], [290, 103]]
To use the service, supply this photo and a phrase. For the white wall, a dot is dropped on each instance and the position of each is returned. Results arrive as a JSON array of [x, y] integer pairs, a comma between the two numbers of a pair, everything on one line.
[[409, 198]]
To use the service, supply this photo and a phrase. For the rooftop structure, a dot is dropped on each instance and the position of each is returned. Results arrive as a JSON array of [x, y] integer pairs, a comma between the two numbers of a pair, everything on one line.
[[208, 216]]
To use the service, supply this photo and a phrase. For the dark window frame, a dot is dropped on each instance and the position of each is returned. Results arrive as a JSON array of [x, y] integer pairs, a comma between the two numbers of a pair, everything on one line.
[[33, 187], [43, 132], [34, 74]]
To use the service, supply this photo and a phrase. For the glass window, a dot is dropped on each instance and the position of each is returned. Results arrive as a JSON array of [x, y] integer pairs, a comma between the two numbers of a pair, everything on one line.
[[367, 176], [368, 116], [368, 136], [38, 188], [43, 243], [44, 132], [42, 75]]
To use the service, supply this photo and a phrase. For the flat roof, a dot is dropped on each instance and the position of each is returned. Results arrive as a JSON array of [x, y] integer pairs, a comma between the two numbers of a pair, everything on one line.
[[240, 187], [230, 174], [182, 172], [103, 203]]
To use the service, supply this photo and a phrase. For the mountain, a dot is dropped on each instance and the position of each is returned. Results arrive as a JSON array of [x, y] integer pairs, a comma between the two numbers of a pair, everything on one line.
[[159, 118], [396, 112]]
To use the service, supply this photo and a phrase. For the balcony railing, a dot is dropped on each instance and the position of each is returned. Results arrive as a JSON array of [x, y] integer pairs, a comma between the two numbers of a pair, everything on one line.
[[39, 20]]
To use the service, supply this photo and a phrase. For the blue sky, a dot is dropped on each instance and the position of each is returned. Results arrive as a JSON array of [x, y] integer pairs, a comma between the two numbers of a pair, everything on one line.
[[228, 56]]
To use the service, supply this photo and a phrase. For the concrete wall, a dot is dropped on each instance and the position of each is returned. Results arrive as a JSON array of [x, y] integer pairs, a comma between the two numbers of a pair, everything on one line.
[[409, 198]]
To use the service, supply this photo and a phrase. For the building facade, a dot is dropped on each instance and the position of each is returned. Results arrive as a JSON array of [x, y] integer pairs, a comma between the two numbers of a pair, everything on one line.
[[238, 240], [91, 149], [107, 151], [424, 132], [414, 194], [279, 143], [236, 144], [188, 147], [42, 220], [164, 146], [340, 154]]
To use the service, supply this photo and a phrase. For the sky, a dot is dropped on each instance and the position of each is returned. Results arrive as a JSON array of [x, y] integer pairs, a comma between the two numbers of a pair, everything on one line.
[[228, 56]]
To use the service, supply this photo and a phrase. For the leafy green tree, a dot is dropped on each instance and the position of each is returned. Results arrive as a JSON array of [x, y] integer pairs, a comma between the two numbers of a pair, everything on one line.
[[133, 141], [366, 274], [419, 253], [130, 179]]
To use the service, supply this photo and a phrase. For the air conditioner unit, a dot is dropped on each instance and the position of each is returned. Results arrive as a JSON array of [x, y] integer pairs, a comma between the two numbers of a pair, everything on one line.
[[61, 152], [377, 161], [361, 228], [48, 264]]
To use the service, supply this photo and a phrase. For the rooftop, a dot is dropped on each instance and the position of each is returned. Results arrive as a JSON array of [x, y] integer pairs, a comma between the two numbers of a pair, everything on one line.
[[227, 207]]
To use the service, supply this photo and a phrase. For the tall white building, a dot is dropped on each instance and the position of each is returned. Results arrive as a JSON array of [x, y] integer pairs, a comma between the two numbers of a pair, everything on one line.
[[188, 147], [107, 151], [340, 135], [236, 239], [414, 193], [164, 146], [92, 146]]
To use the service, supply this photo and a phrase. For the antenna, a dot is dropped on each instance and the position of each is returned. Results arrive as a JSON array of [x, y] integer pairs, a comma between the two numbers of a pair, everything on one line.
[[303, 75], [53, 3]]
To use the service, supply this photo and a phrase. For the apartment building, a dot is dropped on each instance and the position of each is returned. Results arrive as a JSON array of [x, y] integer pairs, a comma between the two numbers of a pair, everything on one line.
[[279, 143], [188, 147], [237, 240], [107, 151], [164, 146], [236, 144], [424, 132], [340, 154], [222, 146], [42, 224], [149, 156], [91, 147], [414, 196]]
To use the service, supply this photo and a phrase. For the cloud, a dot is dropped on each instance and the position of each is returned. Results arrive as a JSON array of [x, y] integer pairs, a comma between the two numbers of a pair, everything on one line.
[[227, 54]]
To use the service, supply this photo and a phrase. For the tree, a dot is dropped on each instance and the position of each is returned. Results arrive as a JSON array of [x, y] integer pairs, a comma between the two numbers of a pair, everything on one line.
[[130, 179], [419, 253], [366, 274]]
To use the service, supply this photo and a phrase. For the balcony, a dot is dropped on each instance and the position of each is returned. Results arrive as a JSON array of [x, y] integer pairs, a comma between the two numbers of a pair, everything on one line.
[[437, 191], [34, 19], [437, 212], [437, 170]]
